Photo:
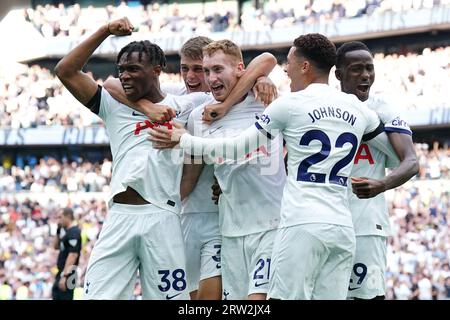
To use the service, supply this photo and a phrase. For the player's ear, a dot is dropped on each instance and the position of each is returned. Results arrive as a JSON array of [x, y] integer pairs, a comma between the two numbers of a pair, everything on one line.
[[157, 70], [338, 74], [305, 66], [240, 69]]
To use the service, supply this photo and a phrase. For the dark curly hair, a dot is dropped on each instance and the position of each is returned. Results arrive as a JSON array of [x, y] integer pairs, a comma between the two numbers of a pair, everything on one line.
[[348, 47], [317, 49], [155, 54]]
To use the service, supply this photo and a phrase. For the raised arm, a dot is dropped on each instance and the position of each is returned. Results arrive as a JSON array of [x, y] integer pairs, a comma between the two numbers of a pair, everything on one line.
[[259, 67], [154, 112], [69, 68]]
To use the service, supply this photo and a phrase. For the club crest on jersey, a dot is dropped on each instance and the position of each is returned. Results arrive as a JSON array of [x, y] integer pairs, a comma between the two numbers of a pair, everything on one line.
[[264, 118]]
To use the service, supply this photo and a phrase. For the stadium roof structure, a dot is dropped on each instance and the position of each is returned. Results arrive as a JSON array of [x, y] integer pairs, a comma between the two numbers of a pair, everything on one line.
[[33, 45], [24, 42]]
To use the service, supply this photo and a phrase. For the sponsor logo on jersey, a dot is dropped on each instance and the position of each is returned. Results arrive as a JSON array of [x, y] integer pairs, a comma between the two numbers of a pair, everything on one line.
[[399, 122], [136, 114], [171, 297], [261, 284], [147, 124], [364, 153]]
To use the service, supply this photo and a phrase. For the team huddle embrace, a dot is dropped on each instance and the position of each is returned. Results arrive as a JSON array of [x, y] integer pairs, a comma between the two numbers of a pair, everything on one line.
[[223, 189]]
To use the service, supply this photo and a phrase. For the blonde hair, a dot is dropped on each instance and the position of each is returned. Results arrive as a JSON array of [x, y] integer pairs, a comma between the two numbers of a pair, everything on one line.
[[228, 47]]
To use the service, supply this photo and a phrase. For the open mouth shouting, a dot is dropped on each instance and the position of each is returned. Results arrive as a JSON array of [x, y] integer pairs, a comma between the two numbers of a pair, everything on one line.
[[127, 87], [363, 88], [216, 89], [193, 86]]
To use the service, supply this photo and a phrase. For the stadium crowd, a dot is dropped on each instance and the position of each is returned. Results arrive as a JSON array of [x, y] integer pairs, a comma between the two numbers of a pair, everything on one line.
[[52, 175], [55, 21], [418, 252], [60, 175], [34, 97], [27, 231]]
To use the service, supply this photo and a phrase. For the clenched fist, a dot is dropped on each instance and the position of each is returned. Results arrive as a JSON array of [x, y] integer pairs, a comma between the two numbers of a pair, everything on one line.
[[120, 27]]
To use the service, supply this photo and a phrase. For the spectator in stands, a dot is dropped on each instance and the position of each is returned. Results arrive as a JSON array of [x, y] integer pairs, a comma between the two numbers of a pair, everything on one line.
[[57, 21]]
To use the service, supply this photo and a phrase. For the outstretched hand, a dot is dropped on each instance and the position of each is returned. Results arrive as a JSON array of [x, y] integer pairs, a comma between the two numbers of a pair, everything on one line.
[[164, 138], [120, 27]]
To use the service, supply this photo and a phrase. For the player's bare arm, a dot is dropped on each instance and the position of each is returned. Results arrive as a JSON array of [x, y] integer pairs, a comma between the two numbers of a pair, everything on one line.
[[68, 69], [155, 112], [259, 67], [366, 188], [191, 173], [56, 240]]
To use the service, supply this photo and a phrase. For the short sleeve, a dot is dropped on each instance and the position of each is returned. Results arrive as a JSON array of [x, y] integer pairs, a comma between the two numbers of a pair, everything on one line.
[[183, 115], [108, 105], [73, 240], [374, 126], [381, 142], [391, 115]]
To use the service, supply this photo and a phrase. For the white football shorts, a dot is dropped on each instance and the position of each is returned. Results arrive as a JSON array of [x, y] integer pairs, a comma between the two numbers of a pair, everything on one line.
[[203, 245], [138, 237], [312, 261], [246, 263], [369, 268]]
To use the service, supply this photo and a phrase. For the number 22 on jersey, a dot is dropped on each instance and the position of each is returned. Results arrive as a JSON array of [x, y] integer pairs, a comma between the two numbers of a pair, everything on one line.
[[322, 137]]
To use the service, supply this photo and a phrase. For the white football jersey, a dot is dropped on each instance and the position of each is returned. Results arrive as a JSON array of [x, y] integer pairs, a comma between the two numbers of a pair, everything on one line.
[[370, 216], [252, 188], [154, 174], [323, 128], [199, 200], [177, 89]]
